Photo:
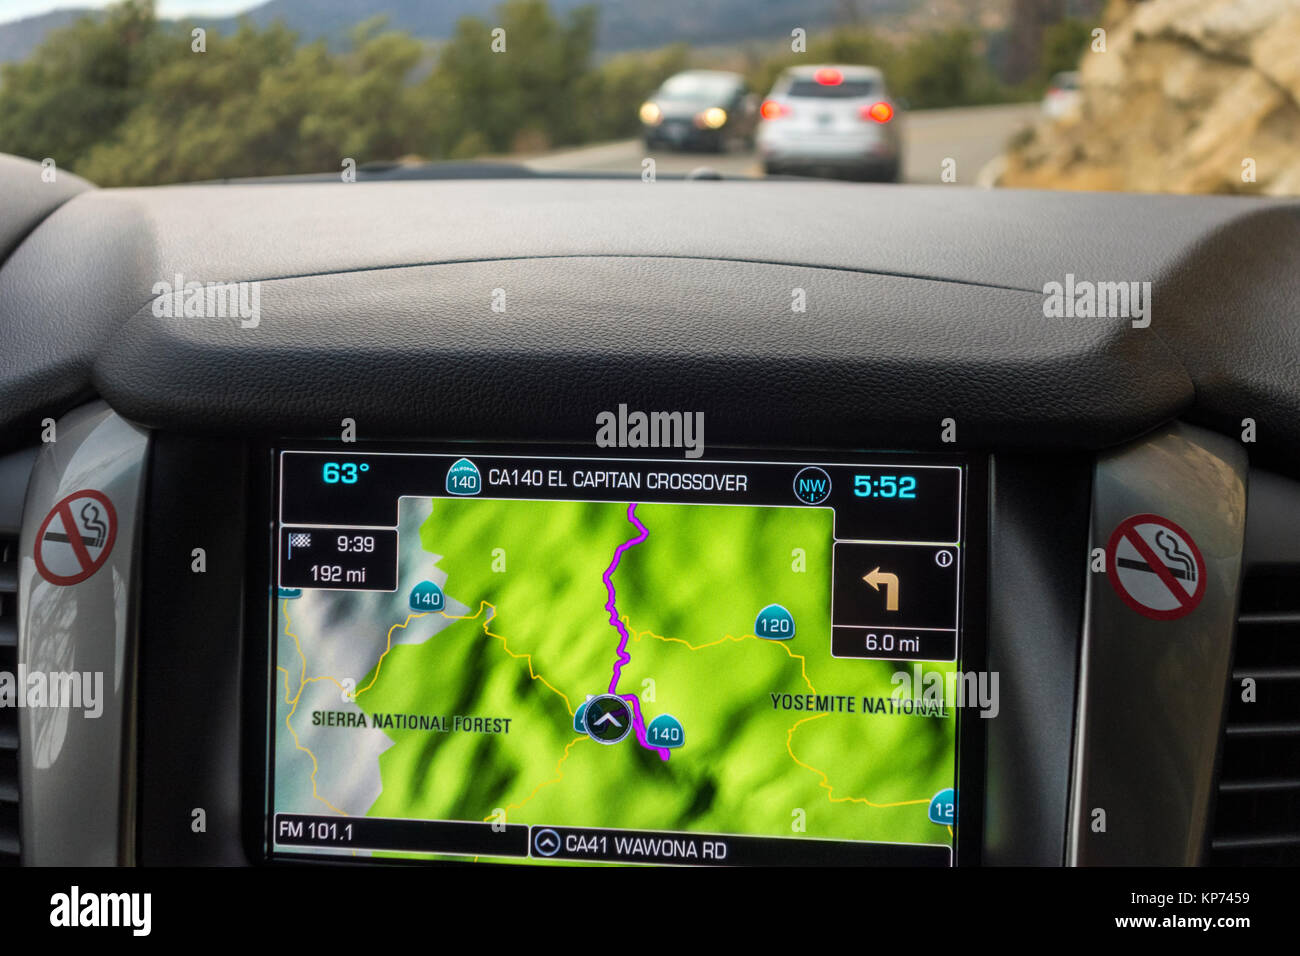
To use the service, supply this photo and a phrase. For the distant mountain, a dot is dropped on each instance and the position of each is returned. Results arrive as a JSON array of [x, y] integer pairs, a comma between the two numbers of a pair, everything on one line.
[[20, 37], [624, 24]]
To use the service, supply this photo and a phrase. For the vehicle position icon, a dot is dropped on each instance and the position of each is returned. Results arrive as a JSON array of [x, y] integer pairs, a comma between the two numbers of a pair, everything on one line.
[[608, 719]]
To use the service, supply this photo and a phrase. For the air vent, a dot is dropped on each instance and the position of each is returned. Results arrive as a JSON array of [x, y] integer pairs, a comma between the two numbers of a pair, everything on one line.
[[1257, 820], [15, 470], [8, 715]]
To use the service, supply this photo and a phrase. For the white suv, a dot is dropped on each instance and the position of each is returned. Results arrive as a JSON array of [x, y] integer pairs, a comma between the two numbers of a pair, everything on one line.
[[831, 120]]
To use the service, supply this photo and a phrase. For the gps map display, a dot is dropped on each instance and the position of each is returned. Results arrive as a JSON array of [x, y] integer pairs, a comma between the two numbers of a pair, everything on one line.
[[520, 658]]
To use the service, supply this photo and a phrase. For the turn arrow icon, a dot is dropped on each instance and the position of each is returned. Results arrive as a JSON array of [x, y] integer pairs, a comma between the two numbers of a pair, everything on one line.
[[876, 578]]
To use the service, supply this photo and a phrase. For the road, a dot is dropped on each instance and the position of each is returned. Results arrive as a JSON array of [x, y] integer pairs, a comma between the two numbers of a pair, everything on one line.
[[972, 136]]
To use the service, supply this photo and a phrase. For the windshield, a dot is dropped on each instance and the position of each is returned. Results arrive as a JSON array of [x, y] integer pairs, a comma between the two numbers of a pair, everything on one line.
[[1083, 95], [692, 86], [845, 89]]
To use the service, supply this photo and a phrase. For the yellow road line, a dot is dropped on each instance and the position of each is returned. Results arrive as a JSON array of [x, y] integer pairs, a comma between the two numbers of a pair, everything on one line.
[[506, 644], [288, 720], [380, 662], [559, 775], [803, 662], [803, 666], [825, 781]]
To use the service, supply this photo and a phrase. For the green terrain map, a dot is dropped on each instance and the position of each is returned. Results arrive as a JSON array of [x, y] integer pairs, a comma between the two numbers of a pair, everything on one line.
[[551, 602]]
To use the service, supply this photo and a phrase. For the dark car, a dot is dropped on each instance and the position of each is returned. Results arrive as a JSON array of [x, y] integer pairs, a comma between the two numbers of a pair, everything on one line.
[[700, 109]]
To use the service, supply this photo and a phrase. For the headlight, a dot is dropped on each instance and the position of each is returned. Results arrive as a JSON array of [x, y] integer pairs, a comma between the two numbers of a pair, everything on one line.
[[651, 114], [715, 117]]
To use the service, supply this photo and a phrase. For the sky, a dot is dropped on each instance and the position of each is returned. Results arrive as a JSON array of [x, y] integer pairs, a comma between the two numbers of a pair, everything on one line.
[[18, 9]]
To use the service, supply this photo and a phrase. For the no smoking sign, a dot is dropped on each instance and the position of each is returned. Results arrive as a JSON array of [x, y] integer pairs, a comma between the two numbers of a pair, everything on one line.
[[1155, 567], [76, 537]]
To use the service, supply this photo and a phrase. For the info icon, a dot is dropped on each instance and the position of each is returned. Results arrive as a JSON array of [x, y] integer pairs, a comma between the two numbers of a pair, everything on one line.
[[812, 485]]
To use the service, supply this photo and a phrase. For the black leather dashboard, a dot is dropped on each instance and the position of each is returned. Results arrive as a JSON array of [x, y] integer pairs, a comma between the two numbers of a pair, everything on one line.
[[922, 304]]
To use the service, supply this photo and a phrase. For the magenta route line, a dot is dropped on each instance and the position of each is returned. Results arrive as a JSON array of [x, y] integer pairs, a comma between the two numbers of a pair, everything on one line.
[[638, 722]]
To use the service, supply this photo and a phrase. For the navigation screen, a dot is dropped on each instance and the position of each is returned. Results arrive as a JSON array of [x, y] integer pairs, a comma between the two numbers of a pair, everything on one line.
[[546, 659]]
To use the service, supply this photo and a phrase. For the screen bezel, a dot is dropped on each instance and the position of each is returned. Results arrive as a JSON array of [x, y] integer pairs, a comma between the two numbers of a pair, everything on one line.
[[262, 612]]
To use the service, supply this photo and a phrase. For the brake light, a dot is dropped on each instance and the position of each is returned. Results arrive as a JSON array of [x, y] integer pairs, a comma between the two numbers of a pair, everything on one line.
[[771, 109], [829, 76], [881, 112]]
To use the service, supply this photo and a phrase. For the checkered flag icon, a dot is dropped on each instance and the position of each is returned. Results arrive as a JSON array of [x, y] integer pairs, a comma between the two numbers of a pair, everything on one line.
[[300, 541]]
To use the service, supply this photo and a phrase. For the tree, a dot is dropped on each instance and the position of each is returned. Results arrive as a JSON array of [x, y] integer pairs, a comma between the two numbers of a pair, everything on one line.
[[944, 69], [1063, 45], [79, 84], [528, 92]]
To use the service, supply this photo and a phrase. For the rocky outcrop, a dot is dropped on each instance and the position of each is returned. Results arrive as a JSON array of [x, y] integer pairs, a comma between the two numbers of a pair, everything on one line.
[[1189, 96]]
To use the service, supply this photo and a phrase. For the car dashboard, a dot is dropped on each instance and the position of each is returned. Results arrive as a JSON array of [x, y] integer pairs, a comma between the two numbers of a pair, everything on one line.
[[841, 523]]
